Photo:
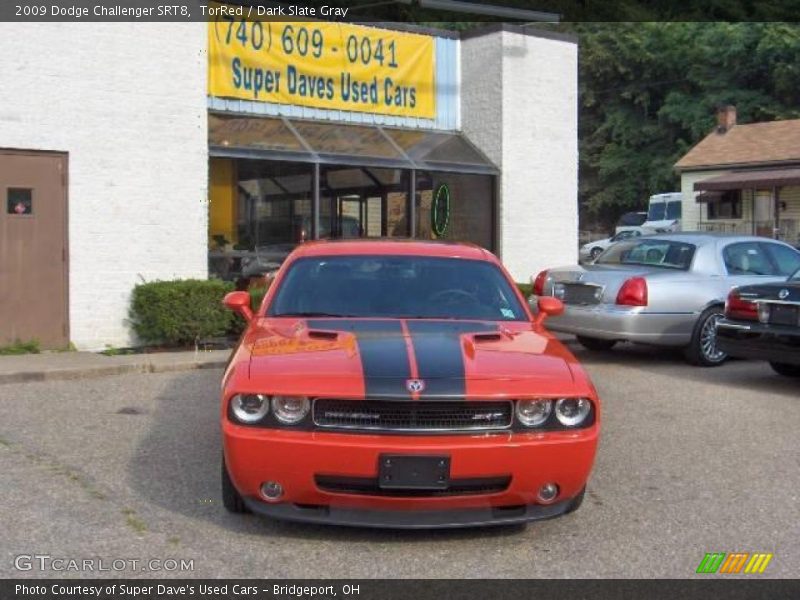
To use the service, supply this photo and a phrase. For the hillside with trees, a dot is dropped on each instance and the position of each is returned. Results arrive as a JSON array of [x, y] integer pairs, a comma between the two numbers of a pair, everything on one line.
[[648, 92]]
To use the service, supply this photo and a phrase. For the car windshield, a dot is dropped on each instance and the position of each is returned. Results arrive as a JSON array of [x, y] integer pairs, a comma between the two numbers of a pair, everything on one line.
[[652, 253], [396, 287]]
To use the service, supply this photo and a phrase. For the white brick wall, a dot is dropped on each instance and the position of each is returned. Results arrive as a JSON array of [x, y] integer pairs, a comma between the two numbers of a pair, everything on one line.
[[127, 101], [519, 105]]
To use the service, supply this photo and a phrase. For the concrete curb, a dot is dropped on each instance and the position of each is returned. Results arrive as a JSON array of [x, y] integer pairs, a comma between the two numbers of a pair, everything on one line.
[[55, 373]]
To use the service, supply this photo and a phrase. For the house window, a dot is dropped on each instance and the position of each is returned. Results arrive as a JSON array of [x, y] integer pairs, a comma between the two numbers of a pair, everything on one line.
[[729, 206], [19, 201]]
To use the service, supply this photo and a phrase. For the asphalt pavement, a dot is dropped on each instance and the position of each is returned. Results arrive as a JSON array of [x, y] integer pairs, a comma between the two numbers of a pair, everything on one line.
[[126, 467]]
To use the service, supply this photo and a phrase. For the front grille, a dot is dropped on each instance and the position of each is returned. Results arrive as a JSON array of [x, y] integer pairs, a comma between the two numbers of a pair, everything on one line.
[[412, 415], [368, 486], [581, 293]]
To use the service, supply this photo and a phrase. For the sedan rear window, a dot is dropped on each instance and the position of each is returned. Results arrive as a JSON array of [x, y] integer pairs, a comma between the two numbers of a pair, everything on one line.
[[396, 287], [661, 254]]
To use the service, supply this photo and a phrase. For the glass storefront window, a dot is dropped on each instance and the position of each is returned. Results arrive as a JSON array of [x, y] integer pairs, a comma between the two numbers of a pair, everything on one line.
[[462, 205], [363, 202], [260, 210], [272, 213]]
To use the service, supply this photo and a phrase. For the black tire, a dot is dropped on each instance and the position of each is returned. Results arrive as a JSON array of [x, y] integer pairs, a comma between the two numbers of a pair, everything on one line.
[[785, 369], [576, 502], [595, 252], [702, 350], [595, 344], [231, 499]]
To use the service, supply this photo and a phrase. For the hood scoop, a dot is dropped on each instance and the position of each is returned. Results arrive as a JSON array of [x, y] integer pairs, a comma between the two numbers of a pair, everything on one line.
[[321, 334]]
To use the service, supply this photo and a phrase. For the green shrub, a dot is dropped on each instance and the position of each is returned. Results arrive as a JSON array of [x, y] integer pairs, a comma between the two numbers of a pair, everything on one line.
[[181, 312], [256, 296], [20, 347]]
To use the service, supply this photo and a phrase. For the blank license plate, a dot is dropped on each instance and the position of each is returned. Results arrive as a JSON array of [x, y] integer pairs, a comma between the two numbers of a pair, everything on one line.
[[403, 472], [783, 315]]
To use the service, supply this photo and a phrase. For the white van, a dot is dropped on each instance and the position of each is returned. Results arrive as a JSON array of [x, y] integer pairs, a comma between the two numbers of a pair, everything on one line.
[[664, 213]]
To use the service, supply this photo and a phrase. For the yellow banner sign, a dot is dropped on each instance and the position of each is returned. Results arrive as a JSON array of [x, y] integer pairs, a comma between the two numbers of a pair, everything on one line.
[[323, 65]]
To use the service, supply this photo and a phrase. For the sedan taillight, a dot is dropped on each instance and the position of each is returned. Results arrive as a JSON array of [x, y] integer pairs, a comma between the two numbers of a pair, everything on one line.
[[737, 308], [633, 292]]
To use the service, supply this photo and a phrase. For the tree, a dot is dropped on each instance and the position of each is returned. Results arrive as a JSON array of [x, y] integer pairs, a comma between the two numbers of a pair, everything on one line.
[[648, 93]]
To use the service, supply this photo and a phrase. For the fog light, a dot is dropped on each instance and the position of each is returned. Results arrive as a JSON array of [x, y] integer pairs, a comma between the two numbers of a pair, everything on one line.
[[548, 492], [271, 490]]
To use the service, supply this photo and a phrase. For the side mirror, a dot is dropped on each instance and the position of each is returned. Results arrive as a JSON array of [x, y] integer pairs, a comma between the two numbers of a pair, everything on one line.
[[548, 307], [239, 302]]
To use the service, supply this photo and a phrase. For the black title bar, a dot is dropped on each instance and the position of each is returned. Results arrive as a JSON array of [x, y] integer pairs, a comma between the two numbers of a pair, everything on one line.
[[428, 11], [731, 588]]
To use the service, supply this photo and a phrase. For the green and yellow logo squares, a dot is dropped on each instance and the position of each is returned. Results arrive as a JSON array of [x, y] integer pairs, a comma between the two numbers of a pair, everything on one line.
[[734, 562]]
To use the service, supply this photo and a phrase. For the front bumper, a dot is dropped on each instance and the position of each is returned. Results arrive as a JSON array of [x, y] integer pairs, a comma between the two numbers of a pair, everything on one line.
[[418, 519], [744, 339], [625, 323], [295, 459]]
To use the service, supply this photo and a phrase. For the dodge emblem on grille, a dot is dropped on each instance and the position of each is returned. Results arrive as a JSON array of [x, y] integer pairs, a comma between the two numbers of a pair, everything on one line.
[[415, 385], [783, 293]]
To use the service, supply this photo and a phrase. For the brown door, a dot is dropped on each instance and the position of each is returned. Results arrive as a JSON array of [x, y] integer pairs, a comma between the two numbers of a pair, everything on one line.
[[33, 248]]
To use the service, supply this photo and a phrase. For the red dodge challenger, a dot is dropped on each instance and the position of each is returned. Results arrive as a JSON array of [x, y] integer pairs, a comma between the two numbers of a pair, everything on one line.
[[403, 384]]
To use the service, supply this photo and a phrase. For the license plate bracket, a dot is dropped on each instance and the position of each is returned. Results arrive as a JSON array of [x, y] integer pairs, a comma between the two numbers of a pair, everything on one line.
[[780, 314], [405, 471]]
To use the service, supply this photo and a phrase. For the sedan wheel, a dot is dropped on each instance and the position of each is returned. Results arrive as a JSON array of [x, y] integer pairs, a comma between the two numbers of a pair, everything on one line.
[[702, 350], [595, 344], [785, 369], [596, 252]]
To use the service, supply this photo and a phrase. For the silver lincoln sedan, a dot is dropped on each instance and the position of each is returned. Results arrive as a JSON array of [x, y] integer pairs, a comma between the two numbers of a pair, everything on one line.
[[664, 290]]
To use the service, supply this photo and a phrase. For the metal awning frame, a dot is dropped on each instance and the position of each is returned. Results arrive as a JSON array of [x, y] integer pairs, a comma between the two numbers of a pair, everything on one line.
[[309, 155]]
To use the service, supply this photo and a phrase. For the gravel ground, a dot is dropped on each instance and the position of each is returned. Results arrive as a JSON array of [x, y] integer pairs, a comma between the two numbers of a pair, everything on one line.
[[127, 467]]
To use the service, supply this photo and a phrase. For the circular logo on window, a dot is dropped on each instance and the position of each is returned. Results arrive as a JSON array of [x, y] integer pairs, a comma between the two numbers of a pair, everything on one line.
[[440, 211]]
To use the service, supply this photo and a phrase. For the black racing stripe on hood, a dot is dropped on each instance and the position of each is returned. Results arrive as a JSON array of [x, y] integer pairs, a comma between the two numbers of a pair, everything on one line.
[[439, 355], [383, 351]]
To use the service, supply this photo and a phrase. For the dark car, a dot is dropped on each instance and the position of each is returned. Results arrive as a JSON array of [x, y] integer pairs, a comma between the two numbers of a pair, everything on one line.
[[632, 219], [763, 322]]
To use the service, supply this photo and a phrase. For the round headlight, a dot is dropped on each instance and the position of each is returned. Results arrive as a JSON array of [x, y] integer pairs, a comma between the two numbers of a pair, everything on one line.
[[249, 408], [533, 413], [290, 410], [572, 411]]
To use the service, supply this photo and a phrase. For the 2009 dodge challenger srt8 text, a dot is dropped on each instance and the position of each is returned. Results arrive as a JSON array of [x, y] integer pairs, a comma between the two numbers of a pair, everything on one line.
[[403, 384]]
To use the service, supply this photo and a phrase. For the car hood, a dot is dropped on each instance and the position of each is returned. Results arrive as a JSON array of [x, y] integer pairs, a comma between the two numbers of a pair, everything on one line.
[[377, 357]]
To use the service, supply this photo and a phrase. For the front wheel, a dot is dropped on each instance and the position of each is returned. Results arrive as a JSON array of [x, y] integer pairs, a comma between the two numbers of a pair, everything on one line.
[[702, 350], [231, 499], [595, 252], [785, 369], [595, 344]]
